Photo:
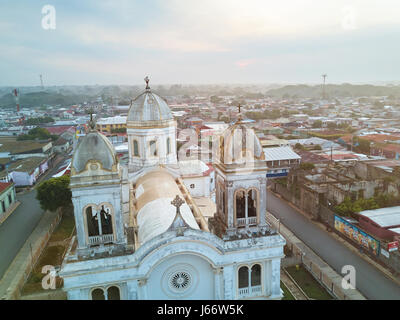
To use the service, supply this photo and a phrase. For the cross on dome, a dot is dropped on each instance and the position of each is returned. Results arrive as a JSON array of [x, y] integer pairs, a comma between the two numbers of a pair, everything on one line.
[[177, 202], [146, 79]]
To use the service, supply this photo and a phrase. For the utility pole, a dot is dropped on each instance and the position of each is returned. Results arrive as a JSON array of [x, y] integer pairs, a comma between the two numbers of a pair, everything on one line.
[[41, 82], [323, 86]]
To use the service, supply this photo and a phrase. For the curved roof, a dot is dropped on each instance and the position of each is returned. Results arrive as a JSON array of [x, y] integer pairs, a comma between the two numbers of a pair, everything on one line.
[[238, 143], [93, 146], [154, 193], [148, 108]]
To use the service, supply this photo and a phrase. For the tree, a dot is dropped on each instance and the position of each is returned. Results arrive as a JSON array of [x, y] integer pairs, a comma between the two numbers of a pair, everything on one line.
[[317, 124], [307, 166], [54, 193]]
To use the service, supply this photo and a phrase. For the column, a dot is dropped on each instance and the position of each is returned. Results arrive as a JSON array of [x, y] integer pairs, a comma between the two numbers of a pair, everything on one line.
[[142, 290], [275, 277], [217, 282], [132, 290], [229, 277]]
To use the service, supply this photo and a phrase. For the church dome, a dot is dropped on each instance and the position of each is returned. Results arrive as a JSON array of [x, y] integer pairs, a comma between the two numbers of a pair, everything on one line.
[[94, 146], [148, 109], [239, 144]]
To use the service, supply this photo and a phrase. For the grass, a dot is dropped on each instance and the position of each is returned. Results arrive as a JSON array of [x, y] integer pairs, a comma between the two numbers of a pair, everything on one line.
[[309, 285], [64, 229], [52, 255], [286, 293]]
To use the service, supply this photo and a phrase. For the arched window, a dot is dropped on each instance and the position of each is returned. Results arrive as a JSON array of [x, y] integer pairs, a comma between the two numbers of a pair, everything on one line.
[[246, 207], [240, 204], [112, 293], [99, 225], [135, 148], [98, 294], [252, 203], [153, 148], [243, 277], [249, 281], [168, 145], [92, 224], [256, 275]]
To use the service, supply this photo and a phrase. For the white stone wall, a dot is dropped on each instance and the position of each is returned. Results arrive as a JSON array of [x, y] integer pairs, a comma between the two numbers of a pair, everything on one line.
[[144, 136], [212, 263]]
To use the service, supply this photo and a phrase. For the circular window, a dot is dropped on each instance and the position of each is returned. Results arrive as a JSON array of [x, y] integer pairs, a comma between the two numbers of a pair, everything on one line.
[[180, 280]]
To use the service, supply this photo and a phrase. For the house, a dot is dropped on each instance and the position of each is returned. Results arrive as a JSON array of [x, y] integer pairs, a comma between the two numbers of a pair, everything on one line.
[[25, 172], [10, 147], [61, 145], [7, 199]]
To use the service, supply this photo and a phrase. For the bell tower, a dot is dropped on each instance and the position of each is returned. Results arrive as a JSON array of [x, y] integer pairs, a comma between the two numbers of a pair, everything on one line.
[[96, 195], [240, 179]]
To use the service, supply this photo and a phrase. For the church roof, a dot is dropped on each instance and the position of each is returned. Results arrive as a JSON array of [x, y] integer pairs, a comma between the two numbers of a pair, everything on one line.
[[155, 214], [94, 146]]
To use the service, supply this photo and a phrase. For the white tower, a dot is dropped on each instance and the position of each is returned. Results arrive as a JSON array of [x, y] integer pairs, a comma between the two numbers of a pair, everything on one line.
[[151, 131], [96, 194], [240, 182]]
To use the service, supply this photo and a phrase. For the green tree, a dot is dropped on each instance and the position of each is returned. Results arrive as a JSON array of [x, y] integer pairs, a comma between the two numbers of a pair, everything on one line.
[[54, 193], [317, 124], [307, 166]]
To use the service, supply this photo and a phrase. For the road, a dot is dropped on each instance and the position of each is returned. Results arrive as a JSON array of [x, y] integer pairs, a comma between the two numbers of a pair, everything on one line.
[[19, 225], [371, 282]]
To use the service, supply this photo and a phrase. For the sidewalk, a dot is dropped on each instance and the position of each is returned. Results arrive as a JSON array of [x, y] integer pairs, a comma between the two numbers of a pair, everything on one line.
[[19, 270], [351, 247], [14, 205]]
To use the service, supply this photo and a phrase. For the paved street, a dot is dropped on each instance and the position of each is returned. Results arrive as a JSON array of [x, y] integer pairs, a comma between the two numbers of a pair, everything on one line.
[[369, 281], [19, 225]]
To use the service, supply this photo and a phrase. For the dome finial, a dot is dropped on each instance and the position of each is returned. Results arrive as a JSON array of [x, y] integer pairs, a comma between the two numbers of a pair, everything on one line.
[[92, 122], [146, 79], [240, 118]]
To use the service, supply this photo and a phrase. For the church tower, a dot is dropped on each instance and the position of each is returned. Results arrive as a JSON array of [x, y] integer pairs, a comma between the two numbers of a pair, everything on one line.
[[151, 131], [240, 182], [96, 194]]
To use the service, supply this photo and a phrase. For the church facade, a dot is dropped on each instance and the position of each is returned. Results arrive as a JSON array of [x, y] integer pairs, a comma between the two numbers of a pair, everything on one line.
[[141, 235]]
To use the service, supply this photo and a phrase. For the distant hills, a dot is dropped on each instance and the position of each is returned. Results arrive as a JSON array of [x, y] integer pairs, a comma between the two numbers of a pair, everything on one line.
[[69, 95], [334, 91]]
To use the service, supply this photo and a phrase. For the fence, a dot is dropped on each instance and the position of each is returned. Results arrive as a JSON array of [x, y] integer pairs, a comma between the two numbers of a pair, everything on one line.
[[19, 272], [319, 269]]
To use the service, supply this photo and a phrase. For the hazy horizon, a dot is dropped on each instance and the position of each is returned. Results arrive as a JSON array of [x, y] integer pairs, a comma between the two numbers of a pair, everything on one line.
[[193, 43]]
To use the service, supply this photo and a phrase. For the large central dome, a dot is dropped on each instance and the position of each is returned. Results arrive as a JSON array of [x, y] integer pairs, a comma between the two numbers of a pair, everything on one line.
[[148, 109]]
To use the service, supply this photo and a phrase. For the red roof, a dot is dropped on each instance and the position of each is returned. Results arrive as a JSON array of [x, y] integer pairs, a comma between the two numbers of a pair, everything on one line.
[[58, 129], [4, 186]]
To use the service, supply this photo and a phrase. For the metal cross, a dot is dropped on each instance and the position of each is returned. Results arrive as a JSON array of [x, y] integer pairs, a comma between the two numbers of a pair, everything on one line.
[[177, 202], [146, 79]]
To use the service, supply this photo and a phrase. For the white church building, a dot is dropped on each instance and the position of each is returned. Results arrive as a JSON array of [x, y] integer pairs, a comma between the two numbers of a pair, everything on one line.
[[140, 234]]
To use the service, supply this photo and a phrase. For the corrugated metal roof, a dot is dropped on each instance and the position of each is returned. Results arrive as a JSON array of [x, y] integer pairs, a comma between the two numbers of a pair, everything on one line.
[[280, 153], [396, 230], [385, 217]]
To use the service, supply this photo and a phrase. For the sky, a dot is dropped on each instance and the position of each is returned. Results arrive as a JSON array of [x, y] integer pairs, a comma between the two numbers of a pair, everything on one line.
[[198, 42]]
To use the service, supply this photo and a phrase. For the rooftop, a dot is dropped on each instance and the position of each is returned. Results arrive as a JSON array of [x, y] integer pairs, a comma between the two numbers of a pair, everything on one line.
[[11, 145], [26, 165], [385, 217], [280, 153]]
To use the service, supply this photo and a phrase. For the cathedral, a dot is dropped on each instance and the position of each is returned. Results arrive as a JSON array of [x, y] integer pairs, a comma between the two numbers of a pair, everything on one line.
[[140, 234]]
